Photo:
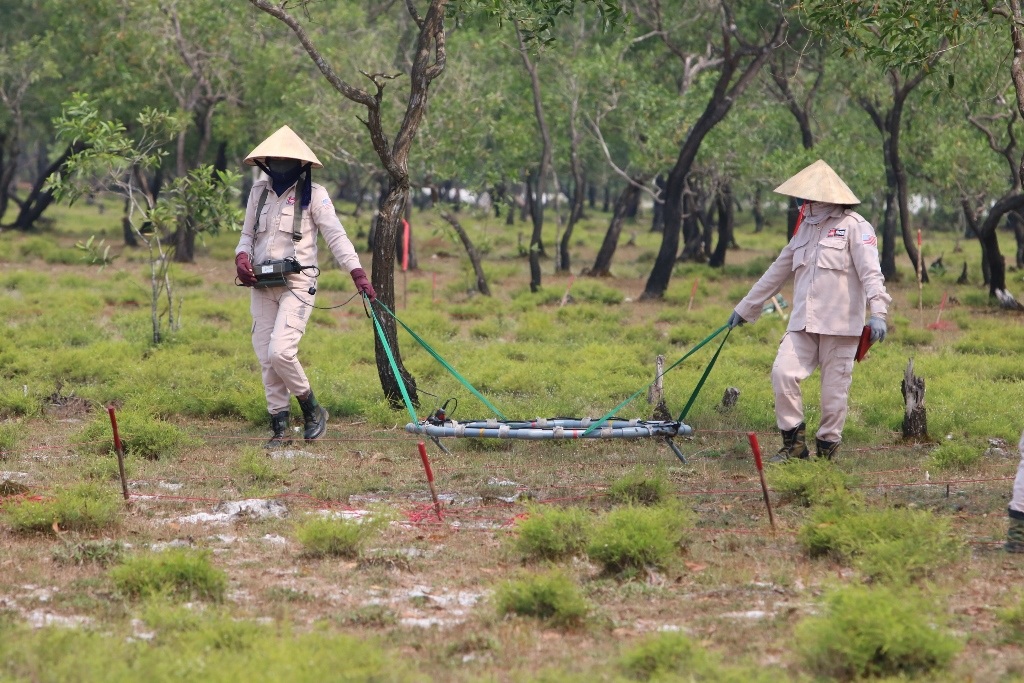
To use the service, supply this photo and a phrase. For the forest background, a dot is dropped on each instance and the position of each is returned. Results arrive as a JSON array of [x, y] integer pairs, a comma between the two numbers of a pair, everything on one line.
[[636, 143]]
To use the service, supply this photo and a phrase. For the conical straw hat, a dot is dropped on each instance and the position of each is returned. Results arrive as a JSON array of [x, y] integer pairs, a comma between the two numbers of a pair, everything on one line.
[[818, 183], [285, 144]]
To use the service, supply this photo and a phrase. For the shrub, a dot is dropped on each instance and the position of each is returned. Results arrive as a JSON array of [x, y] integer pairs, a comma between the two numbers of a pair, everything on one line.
[[637, 488], [10, 435], [896, 545], [875, 632], [83, 507], [809, 482], [955, 456], [141, 435], [256, 467], [630, 538], [1012, 619], [337, 537], [668, 654], [551, 597], [103, 553], [551, 533], [177, 572]]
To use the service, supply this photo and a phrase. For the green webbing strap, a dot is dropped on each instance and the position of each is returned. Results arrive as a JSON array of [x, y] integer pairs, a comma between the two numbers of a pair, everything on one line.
[[707, 371], [689, 353], [449, 368], [391, 360]]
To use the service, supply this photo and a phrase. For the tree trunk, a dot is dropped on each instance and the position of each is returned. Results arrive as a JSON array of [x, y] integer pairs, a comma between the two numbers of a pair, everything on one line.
[[724, 95], [915, 419], [726, 223], [474, 255], [38, 199], [1017, 225], [603, 262], [757, 208]]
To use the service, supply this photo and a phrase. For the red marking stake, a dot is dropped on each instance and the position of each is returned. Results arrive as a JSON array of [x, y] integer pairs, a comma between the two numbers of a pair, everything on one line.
[[119, 449], [760, 472], [430, 479]]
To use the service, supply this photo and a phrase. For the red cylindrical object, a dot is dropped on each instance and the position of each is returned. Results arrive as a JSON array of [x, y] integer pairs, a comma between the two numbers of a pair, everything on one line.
[[405, 244], [754, 446], [426, 462], [113, 424]]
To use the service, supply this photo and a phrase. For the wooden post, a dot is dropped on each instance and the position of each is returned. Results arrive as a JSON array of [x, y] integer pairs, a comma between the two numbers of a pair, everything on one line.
[[915, 420]]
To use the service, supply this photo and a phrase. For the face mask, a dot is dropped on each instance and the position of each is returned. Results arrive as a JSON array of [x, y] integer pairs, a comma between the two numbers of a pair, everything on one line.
[[283, 166]]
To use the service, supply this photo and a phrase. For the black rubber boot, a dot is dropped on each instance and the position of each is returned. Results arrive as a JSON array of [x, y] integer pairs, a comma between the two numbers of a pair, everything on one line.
[[827, 449], [1015, 534], [279, 425], [794, 445], [315, 416]]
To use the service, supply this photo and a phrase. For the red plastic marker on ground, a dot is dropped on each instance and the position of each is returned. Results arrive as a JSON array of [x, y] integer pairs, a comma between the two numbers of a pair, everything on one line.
[[430, 479], [760, 472]]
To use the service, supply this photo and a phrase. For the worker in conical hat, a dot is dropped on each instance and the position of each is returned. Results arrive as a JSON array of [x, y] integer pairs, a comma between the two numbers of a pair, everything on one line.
[[833, 261], [277, 257]]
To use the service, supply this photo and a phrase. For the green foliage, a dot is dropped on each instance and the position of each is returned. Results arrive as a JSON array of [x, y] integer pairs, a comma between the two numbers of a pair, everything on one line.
[[551, 597], [672, 656], [955, 456], [142, 435], [82, 507], [175, 572], [256, 467], [876, 632], [809, 482], [338, 537], [897, 545], [628, 539], [10, 436], [195, 645], [1012, 619], [102, 552], [552, 533], [639, 488]]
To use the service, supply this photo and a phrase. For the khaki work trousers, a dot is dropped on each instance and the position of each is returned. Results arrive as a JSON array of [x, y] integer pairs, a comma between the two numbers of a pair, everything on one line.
[[278, 323], [1017, 502], [799, 354]]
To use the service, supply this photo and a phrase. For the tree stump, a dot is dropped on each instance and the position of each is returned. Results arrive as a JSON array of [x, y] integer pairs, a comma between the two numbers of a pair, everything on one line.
[[655, 394], [729, 398], [915, 420]]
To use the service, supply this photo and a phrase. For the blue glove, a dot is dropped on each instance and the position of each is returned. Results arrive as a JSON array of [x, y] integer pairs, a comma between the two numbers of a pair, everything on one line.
[[735, 320], [878, 329]]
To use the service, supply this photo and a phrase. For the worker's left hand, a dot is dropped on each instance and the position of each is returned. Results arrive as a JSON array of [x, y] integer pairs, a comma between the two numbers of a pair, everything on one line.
[[878, 329], [735, 320], [362, 283]]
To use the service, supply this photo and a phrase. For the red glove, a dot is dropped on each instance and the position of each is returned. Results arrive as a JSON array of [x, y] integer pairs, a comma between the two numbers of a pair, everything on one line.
[[244, 269], [362, 283]]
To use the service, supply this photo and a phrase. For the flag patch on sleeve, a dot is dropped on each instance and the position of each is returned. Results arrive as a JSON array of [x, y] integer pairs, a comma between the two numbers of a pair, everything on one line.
[[326, 202], [869, 240]]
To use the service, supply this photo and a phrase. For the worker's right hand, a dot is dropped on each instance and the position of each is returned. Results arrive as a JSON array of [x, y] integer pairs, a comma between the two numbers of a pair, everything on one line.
[[735, 320], [243, 268]]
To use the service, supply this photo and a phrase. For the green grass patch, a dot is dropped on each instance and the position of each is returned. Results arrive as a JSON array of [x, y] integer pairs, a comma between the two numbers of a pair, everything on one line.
[[82, 507], [552, 597], [177, 572], [896, 545], [141, 435], [955, 456], [876, 632], [102, 552], [673, 656], [627, 539], [553, 533], [809, 482], [638, 487], [337, 536]]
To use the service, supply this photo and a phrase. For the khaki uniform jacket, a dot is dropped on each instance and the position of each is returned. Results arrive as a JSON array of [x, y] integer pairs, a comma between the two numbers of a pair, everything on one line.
[[271, 236], [836, 274]]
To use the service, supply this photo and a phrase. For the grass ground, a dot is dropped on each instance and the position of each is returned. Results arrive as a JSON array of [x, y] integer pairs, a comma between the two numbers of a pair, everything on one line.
[[217, 566]]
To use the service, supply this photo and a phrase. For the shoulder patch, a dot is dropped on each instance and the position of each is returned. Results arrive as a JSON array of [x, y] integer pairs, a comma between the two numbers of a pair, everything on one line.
[[326, 201], [869, 239]]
